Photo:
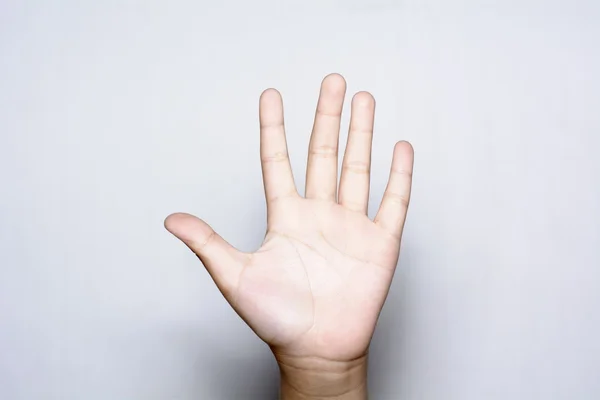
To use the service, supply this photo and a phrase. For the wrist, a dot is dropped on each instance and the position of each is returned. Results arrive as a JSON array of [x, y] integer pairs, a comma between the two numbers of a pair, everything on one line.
[[314, 378]]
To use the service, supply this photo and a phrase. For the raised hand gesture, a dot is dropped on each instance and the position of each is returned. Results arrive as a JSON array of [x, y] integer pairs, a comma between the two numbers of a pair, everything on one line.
[[314, 290]]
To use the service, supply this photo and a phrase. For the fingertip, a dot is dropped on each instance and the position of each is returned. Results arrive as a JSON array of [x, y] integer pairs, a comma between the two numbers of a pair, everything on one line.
[[270, 94], [403, 159], [363, 99], [171, 220], [404, 149], [271, 107], [186, 226], [405, 144], [334, 82]]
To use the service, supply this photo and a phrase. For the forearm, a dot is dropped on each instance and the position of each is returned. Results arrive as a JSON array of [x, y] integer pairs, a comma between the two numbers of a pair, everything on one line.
[[305, 378]]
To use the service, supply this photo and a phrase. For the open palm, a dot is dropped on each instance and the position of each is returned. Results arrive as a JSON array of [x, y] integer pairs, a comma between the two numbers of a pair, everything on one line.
[[317, 284]]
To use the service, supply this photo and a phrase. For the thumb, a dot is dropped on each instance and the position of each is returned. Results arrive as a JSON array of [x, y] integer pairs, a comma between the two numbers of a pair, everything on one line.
[[223, 261]]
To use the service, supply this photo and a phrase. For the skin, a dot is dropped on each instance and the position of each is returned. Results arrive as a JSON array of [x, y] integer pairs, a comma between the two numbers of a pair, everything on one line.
[[314, 290]]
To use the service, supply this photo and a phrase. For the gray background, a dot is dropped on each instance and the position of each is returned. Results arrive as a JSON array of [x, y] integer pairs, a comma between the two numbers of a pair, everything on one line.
[[115, 114]]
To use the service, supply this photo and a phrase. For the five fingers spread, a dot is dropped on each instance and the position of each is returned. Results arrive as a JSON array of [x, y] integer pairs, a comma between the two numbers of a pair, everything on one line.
[[223, 261], [315, 288]]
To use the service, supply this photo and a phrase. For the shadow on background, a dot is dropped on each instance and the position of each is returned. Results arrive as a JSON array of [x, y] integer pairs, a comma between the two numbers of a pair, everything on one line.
[[241, 377], [386, 369], [235, 369]]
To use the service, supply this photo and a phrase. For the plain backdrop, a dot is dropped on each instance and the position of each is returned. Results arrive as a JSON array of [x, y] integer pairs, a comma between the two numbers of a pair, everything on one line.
[[114, 114]]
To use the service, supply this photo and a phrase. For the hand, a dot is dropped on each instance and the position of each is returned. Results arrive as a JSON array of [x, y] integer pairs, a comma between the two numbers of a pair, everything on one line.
[[314, 290]]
